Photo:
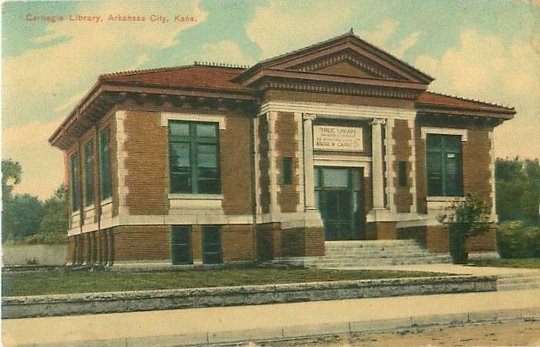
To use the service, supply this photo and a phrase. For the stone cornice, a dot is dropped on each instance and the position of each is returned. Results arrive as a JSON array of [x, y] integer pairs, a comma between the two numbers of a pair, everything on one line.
[[338, 111]]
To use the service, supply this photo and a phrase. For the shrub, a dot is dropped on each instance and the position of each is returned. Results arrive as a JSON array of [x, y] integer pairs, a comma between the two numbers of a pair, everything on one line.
[[46, 239], [464, 219], [517, 240]]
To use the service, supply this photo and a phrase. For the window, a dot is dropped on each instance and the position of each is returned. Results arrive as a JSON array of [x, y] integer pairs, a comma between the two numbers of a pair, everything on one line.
[[181, 244], [89, 173], [194, 158], [74, 182], [402, 173], [444, 165], [105, 164], [211, 241], [287, 171]]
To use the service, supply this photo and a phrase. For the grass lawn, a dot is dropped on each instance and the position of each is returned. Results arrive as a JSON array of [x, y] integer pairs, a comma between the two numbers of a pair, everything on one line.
[[533, 263], [64, 282]]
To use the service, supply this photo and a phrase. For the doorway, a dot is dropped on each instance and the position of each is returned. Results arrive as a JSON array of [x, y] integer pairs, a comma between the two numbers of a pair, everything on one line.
[[338, 196]]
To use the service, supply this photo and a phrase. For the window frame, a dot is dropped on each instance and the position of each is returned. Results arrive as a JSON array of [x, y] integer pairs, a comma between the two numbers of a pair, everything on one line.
[[105, 174], [444, 150], [194, 141], [75, 184]]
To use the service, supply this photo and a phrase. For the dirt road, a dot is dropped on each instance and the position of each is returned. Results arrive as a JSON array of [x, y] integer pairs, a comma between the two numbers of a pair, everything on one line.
[[496, 334]]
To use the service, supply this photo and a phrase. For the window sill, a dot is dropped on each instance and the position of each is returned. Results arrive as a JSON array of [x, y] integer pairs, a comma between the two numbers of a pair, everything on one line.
[[444, 198], [180, 196], [89, 208], [106, 201]]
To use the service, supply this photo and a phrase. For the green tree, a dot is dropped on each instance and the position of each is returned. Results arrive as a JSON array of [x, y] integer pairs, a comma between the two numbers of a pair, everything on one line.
[[21, 217], [518, 189], [11, 175], [55, 213]]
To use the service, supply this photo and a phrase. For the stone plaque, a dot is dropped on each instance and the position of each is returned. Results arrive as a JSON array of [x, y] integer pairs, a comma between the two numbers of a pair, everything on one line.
[[337, 138]]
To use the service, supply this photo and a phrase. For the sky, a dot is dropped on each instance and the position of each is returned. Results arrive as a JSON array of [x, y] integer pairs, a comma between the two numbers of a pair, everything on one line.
[[486, 50]]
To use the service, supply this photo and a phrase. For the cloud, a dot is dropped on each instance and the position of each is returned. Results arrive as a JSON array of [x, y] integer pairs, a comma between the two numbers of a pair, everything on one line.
[[41, 85], [381, 33], [407, 43], [42, 75], [285, 25], [483, 67], [225, 51]]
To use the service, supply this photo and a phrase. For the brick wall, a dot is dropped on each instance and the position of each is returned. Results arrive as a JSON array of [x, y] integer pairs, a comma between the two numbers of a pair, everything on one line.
[[286, 146], [147, 163], [236, 166], [264, 164], [386, 231], [437, 239], [482, 243], [402, 151], [299, 242], [413, 233], [476, 173], [142, 243], [238, 243]]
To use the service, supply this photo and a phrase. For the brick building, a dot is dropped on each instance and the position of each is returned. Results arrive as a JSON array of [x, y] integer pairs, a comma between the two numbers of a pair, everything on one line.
[[217, 164]]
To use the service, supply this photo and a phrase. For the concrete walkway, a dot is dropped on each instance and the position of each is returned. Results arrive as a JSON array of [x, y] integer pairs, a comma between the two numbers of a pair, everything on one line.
[[507, 278], [214, 325], [459, 269]]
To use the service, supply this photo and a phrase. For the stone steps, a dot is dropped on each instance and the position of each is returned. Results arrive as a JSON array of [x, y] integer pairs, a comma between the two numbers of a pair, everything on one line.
[[355, 254]]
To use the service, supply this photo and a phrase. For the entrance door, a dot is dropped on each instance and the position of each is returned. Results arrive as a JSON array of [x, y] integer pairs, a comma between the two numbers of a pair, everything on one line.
[[338, 198]]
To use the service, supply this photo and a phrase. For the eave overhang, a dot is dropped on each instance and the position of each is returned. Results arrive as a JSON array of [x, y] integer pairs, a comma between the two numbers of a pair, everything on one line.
[[104, 96]]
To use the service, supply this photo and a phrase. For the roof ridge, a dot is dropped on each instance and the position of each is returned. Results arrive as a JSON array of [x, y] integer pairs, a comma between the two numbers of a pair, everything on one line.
[[473, 100], [169, 68], [135, 72], [217, 64]]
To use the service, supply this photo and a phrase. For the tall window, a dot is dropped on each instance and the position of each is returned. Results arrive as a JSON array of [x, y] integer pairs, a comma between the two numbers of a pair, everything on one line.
[[444, 165], [74, 182], [89, 173], [105, 164], [194, 158]]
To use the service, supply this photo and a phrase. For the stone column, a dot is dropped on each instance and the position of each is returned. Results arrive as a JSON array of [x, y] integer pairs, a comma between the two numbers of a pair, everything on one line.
[[309, 176], [377, 163]]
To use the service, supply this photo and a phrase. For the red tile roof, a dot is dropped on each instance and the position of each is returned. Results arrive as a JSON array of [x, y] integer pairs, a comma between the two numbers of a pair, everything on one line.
[[435, 100], [193, 76]]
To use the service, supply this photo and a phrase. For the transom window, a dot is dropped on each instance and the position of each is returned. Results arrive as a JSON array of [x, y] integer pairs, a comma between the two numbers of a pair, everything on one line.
[[444, 165], [194, 157]]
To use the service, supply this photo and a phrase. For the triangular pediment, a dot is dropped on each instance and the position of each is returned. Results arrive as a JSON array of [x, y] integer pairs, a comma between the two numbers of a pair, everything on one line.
[[345, 69], [345, 55], [345, 63]]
